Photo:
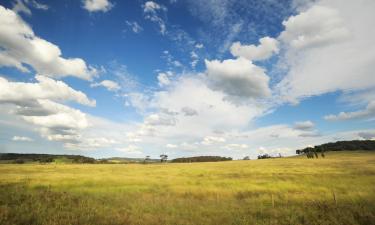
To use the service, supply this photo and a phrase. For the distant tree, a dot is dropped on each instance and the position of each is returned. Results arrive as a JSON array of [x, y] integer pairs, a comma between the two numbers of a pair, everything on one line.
[[147, 158], [246, 158], [19, 161], [265, 156], [163, 158], [46, 160]]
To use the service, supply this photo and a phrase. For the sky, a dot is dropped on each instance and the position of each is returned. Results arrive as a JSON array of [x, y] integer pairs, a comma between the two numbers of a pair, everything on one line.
[[139, 78]]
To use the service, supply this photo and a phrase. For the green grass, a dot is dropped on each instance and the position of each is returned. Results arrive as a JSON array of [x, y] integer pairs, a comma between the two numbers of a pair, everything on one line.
[[339, 189]]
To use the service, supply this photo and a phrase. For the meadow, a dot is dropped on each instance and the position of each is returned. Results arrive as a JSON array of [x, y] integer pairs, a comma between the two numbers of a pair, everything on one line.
[[339, 189]]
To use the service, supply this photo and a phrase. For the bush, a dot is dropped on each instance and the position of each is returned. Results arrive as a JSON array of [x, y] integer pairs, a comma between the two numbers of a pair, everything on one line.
[[19, 161]]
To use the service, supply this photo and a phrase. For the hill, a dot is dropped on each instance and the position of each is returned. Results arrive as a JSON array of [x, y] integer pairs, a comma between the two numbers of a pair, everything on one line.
[[43, 158], [355, 145]]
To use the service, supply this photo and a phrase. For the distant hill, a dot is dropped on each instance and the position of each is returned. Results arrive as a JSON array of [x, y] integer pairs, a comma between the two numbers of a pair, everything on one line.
[[355, 145], [44, 158], [48, 158]]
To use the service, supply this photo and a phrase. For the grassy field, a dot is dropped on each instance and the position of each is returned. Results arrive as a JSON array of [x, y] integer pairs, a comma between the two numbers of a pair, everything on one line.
[[339, 189]]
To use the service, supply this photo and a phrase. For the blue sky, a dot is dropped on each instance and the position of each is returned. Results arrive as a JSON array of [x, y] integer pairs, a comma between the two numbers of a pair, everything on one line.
[[221, 77]]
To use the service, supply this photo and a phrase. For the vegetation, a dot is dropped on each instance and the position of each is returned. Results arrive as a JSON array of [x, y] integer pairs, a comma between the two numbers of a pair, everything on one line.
[[336, 190], [201, 159], [266, 156], [355, 145], [43, 158]]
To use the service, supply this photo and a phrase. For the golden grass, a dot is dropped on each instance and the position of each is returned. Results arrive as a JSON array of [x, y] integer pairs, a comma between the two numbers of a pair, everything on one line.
[[339, 189]]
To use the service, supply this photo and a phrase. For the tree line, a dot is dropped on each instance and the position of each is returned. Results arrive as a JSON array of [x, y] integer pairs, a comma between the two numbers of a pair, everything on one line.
[[355, 145], [201, 159]]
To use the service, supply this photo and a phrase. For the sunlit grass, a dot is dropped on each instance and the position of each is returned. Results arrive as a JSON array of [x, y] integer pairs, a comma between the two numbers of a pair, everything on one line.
[[339, 189]]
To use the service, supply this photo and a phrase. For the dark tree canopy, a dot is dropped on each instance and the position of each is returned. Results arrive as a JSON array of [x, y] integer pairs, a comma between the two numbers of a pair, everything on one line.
[[354, 145], [201, 159]]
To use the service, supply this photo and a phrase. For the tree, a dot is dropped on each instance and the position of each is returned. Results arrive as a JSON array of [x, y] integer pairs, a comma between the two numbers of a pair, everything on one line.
[[163, 158], [246, 158], [147, 158]]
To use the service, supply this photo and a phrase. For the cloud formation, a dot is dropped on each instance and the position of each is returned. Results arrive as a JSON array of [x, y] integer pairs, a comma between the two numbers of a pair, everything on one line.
[[368, 112], [267, 47], [108, 84], [21, 138], [238, 77], [19, 45], [152, 12], [97, 5]]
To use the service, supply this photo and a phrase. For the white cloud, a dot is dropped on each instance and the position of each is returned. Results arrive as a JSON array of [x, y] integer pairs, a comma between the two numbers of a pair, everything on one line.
[[233, 147], [209, 140], [164, 78], [21, 138], [267, 47], [160, 119], [238, 77], [20, 6], [38, 5], [151, 6], [171, 146], [304, 125], [19, 45], [368, 112], [194, 59], [316, 27], [46, 88], [199, 45], [189, 111], [327, 48], [108, 84], [131, 149], [134, 26], [151, 11], [97, 5]]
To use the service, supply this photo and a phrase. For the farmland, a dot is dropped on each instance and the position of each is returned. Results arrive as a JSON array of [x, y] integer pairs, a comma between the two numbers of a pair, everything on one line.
[[339, 189]]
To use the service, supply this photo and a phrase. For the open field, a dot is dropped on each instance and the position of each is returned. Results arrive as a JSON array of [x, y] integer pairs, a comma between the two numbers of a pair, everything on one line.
[[339, 189]]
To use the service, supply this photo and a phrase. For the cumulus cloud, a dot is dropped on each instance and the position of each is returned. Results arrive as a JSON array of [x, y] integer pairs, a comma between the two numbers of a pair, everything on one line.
[[22, 138], [238, 77], [267, 47], [304, 125], [368, 112], [97, 5], [160, 119], [318, 26], [46, 88], [37, 104], [108, 84], [152, 11], [187, 111], [328, 47], [19, 45]]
